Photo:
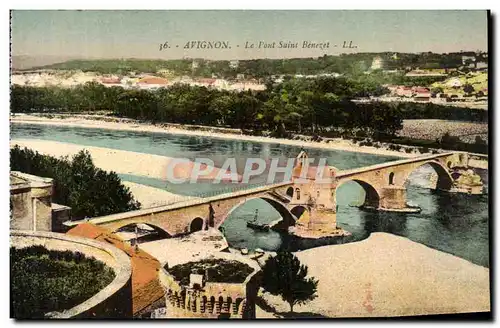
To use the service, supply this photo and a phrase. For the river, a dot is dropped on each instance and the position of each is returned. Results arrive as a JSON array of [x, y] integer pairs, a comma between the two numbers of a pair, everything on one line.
[[453, 223]]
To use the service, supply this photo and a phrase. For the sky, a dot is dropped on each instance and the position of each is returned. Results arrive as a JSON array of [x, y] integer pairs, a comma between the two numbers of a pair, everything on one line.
[[138, 34]]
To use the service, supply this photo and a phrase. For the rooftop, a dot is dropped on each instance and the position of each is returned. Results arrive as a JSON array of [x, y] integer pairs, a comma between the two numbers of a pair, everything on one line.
[[152, 80]]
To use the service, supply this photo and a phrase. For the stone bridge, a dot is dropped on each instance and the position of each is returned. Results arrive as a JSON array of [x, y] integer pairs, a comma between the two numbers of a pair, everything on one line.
[[197, 214], [306, 204], [385, 184]]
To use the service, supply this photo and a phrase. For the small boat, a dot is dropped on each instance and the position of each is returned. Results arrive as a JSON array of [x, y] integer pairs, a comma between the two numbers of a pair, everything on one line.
[[257, 226]]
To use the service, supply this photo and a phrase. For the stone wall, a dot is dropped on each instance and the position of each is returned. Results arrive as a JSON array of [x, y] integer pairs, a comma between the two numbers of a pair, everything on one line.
[[115, 300], [22, 211], [60, 214], [214, 300], [30, 202]]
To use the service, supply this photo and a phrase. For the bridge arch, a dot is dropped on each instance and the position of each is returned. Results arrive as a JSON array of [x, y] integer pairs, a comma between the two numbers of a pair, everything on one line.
[[391, 178], [298, 211], [196, 224], [372, 196], [130, 227], [288, 218], [444, 180], [297, 193]]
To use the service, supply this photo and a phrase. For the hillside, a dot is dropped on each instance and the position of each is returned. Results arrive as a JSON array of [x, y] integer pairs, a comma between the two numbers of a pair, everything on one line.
[[454, 85]]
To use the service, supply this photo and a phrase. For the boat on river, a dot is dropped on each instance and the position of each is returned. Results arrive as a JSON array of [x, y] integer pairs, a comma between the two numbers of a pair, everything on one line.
[[257, 226]]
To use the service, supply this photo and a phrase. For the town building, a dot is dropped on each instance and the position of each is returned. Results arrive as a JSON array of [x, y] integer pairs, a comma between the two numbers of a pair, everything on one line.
[[454, 83], [377, 63], [234, 64], [422, 94], [152, 82], [467, 59], [111, 81], [481, 65], [403, 91]]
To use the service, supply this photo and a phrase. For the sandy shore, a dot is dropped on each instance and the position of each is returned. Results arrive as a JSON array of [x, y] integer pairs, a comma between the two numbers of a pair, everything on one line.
[[431, 129], [120, 161], [388, 275], [334, 144]]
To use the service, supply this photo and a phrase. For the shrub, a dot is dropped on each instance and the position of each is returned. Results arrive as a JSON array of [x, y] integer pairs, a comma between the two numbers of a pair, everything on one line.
[[316, 138], [44, 280], [423, 150], [219, 270], [479, 141], [395, 147]]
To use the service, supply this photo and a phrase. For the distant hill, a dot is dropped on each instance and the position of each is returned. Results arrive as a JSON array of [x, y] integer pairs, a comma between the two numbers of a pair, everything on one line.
[[203, 67], [28, 62], [121, 66], [354, 63]]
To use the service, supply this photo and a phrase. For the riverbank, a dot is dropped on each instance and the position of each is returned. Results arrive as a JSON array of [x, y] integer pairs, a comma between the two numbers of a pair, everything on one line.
[[104, 122], [387, 275]]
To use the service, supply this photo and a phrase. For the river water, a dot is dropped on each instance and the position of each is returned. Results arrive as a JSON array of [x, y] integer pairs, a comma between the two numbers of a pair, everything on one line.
[[453, 223]]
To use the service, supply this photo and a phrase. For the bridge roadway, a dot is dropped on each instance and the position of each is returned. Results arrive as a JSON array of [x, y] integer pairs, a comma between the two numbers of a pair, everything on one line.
[[383, 183]]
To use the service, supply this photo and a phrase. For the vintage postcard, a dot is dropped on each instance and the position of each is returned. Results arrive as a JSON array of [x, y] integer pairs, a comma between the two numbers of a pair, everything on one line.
[[249, 164]]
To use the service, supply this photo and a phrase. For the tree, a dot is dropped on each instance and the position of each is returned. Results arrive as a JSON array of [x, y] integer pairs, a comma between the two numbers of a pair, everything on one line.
[[283, 275], [436, 90], [78, 183], [480, 141], [468, 88], [449, 140]]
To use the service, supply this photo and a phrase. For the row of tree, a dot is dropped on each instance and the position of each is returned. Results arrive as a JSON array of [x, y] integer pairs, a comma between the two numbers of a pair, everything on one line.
[[299, 105], [311, 106], [78, 183]]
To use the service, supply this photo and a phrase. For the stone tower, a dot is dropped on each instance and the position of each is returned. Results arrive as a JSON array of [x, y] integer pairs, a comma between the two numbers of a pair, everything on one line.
[[314, 190]]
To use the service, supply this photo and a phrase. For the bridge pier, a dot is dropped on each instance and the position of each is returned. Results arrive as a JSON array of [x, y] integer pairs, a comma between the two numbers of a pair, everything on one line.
[[322, 223], [393, 199], [323, 220]]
